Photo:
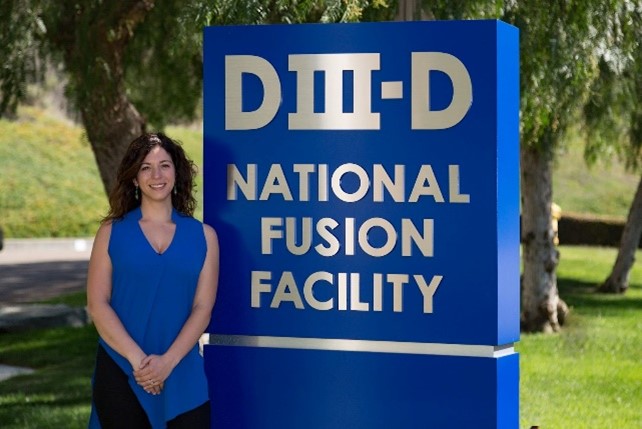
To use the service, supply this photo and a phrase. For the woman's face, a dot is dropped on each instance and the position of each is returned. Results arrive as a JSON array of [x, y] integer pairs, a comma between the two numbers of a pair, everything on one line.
[[157, 175]]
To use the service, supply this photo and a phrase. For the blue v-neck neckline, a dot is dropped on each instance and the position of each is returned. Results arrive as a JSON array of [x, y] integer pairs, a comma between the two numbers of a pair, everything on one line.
[[139, 216]]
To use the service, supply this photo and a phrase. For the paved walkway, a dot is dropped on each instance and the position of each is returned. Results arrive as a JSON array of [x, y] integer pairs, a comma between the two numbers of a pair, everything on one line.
[[33, 270]]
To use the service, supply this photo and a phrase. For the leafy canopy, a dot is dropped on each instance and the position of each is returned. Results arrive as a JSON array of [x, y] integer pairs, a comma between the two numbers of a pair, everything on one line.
[[162, 61]]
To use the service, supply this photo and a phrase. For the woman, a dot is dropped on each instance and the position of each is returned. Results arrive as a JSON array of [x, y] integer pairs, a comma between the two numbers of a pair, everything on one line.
[[151, 287]]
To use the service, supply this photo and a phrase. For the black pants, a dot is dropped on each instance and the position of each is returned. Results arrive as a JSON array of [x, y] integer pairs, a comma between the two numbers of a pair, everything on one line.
[[117, 405]]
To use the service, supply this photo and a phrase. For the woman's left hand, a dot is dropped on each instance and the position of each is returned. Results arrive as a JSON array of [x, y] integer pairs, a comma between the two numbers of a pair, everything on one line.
[[153, 371]]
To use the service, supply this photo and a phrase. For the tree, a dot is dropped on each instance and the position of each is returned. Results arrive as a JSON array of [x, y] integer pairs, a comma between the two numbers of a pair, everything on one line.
[[561, 40], [124, 74], [559, 44], [614, 121], [135, 63], [618, 279], [90, 38], [19, 52]]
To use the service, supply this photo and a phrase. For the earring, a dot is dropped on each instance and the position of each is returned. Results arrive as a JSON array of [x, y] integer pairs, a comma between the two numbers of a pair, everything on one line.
[[175, 191], [136, 193]]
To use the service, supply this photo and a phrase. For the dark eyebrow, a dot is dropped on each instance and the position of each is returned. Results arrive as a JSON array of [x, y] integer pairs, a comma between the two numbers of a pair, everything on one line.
[[149, 163]]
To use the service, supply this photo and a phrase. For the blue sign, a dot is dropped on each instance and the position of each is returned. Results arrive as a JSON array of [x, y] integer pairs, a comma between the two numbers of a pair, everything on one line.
[[364, 182], [258, 387]]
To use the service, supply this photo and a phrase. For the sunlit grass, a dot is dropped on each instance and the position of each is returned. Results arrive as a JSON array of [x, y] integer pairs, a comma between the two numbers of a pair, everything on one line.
[[49, 181], [605, 188], [590, 375]]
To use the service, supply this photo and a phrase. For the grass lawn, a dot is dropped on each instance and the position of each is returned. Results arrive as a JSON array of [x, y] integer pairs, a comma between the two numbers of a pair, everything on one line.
[[589, 376], [58, 394], [49, 181]]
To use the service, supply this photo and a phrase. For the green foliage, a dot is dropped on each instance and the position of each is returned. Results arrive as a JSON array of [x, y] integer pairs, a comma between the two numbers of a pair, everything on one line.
[[613, 115], [559, 42], [20, 33], [89, 38], [291, 11], [463, 9], [162, 40], [163, 63]]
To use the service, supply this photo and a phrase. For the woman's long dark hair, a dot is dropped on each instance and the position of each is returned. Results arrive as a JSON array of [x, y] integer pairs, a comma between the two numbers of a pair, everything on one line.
[[122, 198]]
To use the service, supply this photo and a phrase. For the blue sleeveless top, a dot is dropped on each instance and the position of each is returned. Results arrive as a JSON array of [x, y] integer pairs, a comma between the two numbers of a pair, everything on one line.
[[152, 294]]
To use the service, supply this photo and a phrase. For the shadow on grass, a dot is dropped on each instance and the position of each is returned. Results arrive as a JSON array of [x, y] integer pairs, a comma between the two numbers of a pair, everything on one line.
[[584, 294], [51, 388], [60, 389], [42, 348]]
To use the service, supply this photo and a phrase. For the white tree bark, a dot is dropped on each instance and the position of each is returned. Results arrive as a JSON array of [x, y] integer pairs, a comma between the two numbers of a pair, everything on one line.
[[618, 280], [540, 298]]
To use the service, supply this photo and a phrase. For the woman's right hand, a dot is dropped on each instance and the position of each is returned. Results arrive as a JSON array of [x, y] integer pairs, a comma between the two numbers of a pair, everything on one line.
[[153, 371], [153, 387]]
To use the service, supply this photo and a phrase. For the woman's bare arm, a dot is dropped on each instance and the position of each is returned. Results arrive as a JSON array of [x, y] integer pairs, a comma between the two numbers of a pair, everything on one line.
[[99, 287]]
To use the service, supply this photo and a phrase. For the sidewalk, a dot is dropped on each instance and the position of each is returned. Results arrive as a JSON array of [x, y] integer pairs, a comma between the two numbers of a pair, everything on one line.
[[33, 270], [29, 250]]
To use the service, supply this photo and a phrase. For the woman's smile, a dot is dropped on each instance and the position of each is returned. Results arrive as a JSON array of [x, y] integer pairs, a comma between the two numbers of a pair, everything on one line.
[[157, 174]]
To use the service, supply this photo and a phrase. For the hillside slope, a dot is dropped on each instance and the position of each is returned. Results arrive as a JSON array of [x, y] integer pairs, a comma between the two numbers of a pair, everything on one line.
[[50, 187]]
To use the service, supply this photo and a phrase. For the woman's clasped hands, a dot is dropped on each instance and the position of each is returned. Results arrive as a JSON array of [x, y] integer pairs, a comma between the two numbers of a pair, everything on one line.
[[152, 373]]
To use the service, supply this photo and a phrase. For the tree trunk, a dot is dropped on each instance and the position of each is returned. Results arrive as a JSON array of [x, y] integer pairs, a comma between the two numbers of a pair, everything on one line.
[[93, 38], [407, 10], [618, 280], [540, 298], [111, 124]]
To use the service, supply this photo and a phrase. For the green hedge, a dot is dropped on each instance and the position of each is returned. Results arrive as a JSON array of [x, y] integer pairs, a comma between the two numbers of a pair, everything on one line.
[[590, 230]]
